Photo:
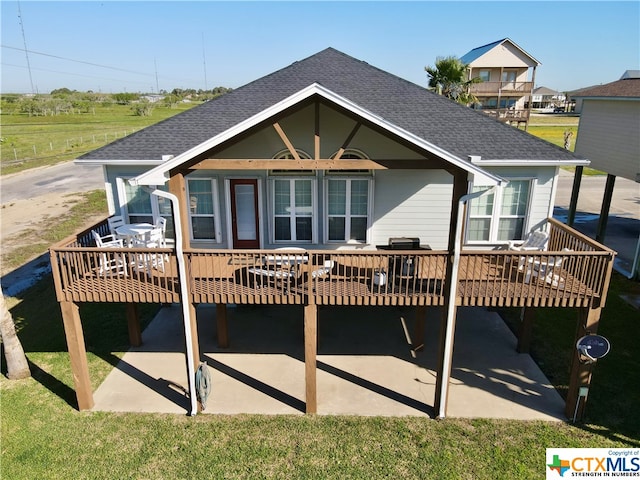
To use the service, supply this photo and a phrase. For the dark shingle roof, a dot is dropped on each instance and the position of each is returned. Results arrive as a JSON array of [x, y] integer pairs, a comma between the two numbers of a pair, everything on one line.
[[628, 87], [438, 120]]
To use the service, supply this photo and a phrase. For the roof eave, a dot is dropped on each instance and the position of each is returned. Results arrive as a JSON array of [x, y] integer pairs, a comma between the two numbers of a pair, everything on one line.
[[531, 163]]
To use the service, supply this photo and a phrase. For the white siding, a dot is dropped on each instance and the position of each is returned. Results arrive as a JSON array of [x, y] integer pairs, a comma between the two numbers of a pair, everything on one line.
[[609, 136], [412, 203]]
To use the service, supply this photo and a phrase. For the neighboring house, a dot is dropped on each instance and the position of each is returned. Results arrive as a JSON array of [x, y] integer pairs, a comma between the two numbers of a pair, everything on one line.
[[333, 159], [608, 134], [545, 98], [508, 76]]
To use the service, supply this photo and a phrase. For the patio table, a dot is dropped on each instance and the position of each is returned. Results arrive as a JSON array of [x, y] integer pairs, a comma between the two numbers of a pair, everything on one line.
[[129, 231]]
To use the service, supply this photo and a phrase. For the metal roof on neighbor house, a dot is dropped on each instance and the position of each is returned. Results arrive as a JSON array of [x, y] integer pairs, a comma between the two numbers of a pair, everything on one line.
[[454, 128], [477, 52]]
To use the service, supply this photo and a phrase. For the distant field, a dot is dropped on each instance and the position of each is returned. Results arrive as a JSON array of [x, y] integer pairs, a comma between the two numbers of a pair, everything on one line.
[[34, 141]]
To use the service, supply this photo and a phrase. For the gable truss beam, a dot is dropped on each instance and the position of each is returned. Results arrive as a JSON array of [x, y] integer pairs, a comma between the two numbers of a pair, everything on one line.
[[322, 164], [286, 141], [348, 140]]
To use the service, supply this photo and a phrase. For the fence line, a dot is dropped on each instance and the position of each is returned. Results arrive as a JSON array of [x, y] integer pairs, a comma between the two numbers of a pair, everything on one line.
[[43, 150]]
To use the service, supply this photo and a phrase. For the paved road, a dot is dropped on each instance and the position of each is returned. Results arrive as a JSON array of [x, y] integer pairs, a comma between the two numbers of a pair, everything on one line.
[[623, 226], [61, 178]]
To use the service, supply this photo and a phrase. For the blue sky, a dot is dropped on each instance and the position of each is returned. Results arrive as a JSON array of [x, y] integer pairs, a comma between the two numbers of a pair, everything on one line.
[[145, 45]]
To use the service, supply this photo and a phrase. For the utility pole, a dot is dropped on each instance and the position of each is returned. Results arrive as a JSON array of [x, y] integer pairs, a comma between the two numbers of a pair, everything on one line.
[[26, 52], [204, 62], [156, 67]]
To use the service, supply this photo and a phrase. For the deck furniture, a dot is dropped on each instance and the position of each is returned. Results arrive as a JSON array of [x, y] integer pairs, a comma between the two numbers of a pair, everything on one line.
[[110, 263], [114, 222]]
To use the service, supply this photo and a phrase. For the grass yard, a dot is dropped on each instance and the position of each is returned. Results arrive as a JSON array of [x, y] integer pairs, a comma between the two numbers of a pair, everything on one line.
[[44, 436], [35, 141]]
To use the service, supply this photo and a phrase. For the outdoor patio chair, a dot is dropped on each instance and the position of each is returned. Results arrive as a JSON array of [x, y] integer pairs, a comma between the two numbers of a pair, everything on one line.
[[110, 263], [535, 241], [322, 271], [547, 269], [114, 222], [154, 239]]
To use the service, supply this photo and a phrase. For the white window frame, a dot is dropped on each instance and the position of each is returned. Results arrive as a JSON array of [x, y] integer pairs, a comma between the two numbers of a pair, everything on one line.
[[496, 216], [347, 215], [215, 214], [292, 216], [122, 199]]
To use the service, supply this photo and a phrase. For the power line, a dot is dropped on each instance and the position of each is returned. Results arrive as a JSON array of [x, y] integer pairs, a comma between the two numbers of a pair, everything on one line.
[[33, 52]]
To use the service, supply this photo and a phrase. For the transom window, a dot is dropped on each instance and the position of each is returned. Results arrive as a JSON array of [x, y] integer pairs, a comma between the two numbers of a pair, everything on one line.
[[499, 216]]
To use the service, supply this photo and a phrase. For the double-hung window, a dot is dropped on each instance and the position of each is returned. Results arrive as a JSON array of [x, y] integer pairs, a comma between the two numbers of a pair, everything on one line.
[[293, 209], [203, 208], [348, 205], [500, 216]]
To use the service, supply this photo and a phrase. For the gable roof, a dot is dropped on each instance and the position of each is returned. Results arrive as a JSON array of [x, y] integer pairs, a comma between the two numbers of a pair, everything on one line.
[[433, 119], [626, 88], [477, 52]]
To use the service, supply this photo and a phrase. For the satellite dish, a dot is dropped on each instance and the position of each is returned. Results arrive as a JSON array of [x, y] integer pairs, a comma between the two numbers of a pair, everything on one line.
[[593, 347]]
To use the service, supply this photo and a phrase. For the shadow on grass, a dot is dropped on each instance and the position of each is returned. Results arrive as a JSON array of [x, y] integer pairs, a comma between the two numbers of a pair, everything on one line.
[[39, 326], [612, 404]]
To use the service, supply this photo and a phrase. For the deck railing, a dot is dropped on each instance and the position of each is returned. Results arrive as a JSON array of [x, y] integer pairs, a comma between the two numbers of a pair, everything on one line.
[[489, 88], [574, 271]]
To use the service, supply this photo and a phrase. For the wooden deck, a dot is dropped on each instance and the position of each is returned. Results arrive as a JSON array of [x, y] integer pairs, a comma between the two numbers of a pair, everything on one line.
[[416, 278]]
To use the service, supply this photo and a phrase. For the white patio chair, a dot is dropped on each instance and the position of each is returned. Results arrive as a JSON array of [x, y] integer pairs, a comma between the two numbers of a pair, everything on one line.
[[548, 270], [322, 271], [115, 221], [154, 239], [110, 263], [535, 241]]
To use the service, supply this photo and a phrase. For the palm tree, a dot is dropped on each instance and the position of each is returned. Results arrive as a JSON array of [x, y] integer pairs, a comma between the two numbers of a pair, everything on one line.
[[17, 365], [447, 78]]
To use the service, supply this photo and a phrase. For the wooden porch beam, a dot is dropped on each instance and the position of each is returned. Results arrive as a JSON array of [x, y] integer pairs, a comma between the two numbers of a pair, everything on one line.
[[321, 164], [580, 376], [348, 140], [310, 356], [286, 141], [77, 354]]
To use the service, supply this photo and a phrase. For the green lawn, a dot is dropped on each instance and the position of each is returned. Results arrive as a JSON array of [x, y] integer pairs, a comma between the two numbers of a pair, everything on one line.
[[34, 141]]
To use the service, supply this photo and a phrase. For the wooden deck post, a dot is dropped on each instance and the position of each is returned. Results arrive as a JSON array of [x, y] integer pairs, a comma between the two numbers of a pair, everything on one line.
[[575, 191], [580, 376], [525, 330], [178, 187], [195, 344], [418, 334], [221, 320], [606, 205], [310, 354], [449, 312], [133, 324], [77, 354]]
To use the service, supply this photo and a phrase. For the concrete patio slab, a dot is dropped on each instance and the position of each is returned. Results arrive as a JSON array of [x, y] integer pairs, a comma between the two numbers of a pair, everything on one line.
[[366, 366]]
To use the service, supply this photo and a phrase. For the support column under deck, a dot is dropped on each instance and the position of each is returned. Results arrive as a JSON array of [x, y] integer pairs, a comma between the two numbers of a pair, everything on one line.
[[580, 376], [221, 320], [133, 324], [525, 329], [195, 344], [77, 354], [310, 356]]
